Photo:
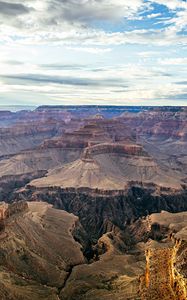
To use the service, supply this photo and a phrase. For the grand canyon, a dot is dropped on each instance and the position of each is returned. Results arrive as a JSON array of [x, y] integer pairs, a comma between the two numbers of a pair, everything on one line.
[[93, 203]]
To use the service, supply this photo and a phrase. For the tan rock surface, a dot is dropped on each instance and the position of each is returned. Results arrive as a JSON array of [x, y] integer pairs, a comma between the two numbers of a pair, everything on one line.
[[37, 251]]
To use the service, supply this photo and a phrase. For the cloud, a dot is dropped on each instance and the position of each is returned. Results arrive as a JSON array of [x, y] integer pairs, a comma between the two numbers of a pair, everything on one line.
[[147, 54], [60, 66], [173, 61], [125, 84], [181, 82], [84, 12], [71, 22], [151, 16], [91, 50], [172, 4], [13, 62], [61, 80], [180, 97], [13, 9]]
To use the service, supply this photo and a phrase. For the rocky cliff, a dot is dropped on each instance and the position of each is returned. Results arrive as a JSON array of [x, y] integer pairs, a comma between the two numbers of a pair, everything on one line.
[[159, 124], [99, 211]]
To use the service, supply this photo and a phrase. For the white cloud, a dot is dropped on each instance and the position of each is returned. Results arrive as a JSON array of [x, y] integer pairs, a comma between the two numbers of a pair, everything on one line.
[[173, 61], [128, 83], [97, 33], [74, 22], [151, 16], [147, 54], [91, 49], [172, 4]]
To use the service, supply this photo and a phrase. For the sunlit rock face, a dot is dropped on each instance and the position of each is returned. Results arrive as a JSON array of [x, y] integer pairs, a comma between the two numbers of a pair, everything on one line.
[[164, 277]]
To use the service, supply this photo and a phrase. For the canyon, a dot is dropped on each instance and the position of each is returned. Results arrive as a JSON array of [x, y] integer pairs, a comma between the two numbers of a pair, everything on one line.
[[93, 203]]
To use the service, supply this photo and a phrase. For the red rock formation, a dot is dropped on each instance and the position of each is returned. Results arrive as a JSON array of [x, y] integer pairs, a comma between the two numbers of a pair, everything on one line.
[[94, 132], [24, 128], [159, 124], [121, 149]]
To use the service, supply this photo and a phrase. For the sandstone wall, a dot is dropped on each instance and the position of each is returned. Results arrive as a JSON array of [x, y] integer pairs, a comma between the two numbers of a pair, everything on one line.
[[122, 149], [162, 281]]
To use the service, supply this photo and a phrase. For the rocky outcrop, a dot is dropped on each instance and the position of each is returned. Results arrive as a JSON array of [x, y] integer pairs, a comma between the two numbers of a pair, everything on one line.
[[16, 208], [63, 143], [94, 131], [158, 277], [12, 209], [7, 210], [121, 149], [162, 280], [164, 236]]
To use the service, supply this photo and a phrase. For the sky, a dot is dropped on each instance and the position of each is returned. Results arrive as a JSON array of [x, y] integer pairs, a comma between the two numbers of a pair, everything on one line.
[[103, 52]]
